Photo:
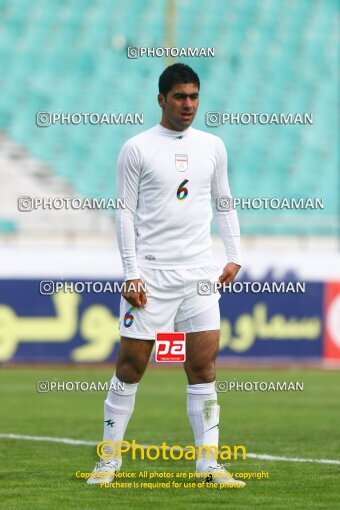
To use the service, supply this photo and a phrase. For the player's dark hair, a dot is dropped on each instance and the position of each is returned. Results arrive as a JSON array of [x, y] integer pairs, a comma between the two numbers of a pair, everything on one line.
[[177, 73]]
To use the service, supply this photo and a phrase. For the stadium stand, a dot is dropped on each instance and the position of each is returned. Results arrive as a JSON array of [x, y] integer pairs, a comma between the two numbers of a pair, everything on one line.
[[65, 56]]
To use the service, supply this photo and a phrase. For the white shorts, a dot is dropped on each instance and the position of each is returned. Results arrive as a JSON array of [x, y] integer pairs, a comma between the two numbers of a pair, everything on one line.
[[173, 303]]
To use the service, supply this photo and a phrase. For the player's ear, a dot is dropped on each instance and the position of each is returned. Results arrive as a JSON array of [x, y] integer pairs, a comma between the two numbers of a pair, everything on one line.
[[161, 100]]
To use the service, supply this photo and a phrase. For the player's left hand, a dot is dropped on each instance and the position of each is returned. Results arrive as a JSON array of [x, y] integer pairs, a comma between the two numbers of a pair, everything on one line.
[[229, 273]]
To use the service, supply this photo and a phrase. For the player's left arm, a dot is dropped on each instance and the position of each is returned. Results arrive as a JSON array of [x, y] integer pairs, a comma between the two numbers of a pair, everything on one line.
[[225, 215]]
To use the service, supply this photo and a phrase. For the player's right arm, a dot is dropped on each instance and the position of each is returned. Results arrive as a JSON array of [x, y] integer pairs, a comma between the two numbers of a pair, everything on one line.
[[127, 178]]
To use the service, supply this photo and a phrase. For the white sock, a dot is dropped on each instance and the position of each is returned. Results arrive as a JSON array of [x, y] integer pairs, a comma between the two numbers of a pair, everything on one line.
[[118, 408], [203, 412]]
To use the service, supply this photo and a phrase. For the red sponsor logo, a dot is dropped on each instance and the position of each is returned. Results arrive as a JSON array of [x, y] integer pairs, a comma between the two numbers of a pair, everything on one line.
[[170, 347], [331, 348]]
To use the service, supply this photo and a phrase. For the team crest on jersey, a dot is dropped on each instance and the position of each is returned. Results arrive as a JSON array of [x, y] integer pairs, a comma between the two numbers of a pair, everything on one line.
[[181, 162]]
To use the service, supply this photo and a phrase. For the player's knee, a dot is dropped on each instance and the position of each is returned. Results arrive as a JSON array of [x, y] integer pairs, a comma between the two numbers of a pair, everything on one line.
[[130, 372], [200, 372]]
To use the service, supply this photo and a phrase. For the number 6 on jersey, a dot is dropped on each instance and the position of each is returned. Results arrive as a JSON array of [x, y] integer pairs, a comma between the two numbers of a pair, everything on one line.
[[182, 192]]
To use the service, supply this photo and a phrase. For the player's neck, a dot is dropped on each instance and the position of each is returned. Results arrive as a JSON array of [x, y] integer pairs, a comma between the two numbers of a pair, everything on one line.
[[173, 129]]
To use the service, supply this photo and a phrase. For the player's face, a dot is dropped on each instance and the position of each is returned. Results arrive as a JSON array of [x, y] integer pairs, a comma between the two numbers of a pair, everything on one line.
[[180, 106]]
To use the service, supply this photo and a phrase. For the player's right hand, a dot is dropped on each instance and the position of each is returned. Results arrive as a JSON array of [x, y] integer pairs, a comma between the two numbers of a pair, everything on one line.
[[134, 293]]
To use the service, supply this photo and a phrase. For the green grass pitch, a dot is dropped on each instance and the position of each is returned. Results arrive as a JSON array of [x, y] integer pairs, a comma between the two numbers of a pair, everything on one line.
[[41, 475]]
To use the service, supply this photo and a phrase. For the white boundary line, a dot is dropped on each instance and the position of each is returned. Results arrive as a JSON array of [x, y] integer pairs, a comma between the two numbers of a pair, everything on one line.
[[79, 442], [50, 439], [291, 459]]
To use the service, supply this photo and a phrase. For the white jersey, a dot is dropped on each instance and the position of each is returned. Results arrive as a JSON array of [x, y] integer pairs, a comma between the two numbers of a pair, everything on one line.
[[168, 180]]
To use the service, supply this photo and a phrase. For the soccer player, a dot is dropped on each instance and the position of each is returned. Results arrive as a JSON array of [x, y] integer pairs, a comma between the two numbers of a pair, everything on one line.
[[168, 176]]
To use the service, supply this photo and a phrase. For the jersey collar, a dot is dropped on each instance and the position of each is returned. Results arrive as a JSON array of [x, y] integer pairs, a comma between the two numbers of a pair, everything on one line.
[[171, 132]]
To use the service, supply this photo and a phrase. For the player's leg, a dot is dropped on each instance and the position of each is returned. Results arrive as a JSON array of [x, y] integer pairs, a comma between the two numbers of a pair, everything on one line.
[[202, 345], [201, 352], [132, 361], [202, 406], [199, 317], [133, 358], [137, 330]]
